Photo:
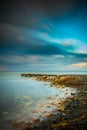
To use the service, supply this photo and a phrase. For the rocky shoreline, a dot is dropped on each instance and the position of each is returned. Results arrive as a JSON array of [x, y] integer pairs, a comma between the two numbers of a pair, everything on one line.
[[59, 79], [74, 115]]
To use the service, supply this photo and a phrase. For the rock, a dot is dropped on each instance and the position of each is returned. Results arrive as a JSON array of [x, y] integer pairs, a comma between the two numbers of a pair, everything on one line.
[[58, 105], [20, 125], [20, 120], [48, 106], [73, 94], [49, 97], [73, 98], [35, 111], [27, 126], [61, 108], [48, 114], [36, 120]]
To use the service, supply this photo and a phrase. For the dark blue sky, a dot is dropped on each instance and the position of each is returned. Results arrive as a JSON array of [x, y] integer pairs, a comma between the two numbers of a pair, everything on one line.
[[43, 35]]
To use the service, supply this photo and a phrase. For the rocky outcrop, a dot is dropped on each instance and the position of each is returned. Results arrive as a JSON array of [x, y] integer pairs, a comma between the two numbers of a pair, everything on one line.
[[59, 79]]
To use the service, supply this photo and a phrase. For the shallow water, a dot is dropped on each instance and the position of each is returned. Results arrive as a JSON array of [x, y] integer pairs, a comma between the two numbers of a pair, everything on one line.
[[24, 99]]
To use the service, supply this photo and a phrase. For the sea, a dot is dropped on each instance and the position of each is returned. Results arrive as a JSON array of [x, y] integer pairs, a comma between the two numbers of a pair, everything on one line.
[[23, 99]]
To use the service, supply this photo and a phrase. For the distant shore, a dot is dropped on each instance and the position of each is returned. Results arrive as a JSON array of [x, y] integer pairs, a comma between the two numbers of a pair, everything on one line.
[[74, 116]]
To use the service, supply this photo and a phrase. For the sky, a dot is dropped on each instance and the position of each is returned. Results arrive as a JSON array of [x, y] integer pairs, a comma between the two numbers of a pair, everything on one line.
[[43, 35]]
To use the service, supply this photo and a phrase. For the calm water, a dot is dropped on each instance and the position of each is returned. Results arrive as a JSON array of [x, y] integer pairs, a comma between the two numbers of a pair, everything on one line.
[[63, 73], [23, 99]]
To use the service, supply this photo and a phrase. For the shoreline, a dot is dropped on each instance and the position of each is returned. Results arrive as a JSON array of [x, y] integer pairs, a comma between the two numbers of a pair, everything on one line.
[[74, 116], [59, 79]]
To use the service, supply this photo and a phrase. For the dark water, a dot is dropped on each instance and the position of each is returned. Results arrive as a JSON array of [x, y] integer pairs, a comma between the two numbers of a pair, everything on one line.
[[23, 99]]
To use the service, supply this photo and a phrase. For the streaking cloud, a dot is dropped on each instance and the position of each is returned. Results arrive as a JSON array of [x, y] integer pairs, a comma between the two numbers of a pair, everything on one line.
[[68, 44], [80, 65]]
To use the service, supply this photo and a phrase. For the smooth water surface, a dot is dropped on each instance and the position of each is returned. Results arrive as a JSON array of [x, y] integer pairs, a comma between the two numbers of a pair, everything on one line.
[[24, 99]]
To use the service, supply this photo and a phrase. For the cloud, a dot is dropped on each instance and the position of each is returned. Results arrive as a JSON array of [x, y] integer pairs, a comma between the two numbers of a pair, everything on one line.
[[3, 68], [41, 62], [85, 59], [78, 46], [23, 12], [69, 45], [80, 65], [19, 59], [9, 32], [23, 40], [30, 59], [44, 35], [58, 56]]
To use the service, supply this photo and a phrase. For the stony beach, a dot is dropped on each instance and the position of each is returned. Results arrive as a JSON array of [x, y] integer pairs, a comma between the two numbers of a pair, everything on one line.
[[71, 114]]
